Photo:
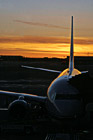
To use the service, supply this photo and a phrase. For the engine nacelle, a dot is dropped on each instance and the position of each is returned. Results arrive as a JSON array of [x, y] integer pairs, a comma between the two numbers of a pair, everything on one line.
[[18, 109]]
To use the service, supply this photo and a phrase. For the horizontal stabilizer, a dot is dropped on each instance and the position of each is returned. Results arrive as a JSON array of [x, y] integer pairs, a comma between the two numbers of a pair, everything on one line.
[[48, 70], [84, 72]]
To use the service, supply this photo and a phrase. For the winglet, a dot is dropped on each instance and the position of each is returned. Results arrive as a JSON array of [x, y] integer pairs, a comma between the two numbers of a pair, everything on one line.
[[71, 58]]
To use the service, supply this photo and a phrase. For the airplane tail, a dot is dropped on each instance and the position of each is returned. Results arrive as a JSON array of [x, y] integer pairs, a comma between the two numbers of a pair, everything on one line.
[[71, 58]]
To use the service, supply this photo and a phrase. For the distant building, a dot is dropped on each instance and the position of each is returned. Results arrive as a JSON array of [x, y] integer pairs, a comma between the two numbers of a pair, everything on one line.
[[78, 59], [11, 58], [82, 60]]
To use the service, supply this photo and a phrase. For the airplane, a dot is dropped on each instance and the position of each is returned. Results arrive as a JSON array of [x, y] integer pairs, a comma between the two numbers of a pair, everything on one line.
[[63, 100]]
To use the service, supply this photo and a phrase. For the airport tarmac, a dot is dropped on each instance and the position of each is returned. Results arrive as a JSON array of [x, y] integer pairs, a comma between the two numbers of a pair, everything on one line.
[[14, 78], [64, 136]]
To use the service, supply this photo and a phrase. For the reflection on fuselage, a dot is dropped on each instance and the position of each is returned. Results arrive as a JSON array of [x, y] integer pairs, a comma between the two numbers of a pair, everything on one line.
[[64, 96]]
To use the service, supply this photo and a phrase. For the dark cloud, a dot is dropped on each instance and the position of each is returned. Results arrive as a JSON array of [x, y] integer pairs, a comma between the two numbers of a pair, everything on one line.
[[50, 25], [41, 24]]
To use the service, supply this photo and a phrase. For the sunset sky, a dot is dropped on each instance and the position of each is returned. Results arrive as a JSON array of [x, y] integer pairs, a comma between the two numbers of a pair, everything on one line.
[[41, 28]]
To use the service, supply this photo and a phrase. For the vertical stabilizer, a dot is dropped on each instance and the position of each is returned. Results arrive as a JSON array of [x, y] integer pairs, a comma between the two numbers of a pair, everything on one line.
[[71, 58]]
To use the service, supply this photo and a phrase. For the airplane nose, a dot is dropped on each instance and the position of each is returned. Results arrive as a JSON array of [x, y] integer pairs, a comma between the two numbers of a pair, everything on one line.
[[69, 107], [65, 108], [63, 98]]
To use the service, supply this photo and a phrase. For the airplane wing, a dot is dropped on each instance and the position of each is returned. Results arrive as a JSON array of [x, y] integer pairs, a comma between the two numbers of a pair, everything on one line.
[[23, 106], [48, 70], [24, 95]]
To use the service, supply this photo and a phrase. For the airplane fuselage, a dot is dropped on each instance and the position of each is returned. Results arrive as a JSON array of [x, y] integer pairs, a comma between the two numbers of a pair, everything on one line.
[[64, 97]]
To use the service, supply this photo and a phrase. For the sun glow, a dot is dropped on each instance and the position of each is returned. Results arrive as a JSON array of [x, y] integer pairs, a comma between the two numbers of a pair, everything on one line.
[[39, 47]]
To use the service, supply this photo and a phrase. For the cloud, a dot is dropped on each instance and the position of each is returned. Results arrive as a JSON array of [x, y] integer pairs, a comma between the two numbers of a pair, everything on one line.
[[41, 24], [50, 25], [29, 51], [45, 40]]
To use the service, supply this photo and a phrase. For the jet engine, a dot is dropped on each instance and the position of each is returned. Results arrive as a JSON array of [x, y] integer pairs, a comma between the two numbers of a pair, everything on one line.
[[18, 108]]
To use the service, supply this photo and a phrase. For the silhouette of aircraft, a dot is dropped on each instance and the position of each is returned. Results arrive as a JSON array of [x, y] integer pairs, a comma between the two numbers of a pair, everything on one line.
[[63, 100]]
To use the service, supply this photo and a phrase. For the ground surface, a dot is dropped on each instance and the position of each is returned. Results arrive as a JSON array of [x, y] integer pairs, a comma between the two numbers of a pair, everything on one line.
[[17, 79]]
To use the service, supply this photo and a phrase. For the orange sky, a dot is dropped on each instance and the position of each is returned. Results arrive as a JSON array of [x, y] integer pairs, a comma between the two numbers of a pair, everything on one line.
[[35, 46], [42, 28]]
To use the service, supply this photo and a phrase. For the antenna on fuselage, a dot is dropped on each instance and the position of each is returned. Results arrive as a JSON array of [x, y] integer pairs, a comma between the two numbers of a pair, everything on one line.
[[71, 58]]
